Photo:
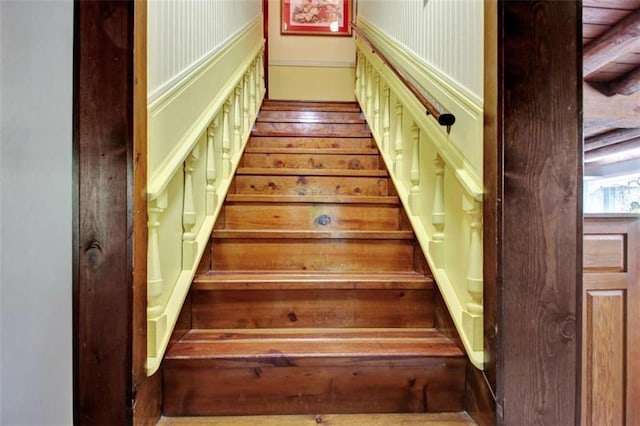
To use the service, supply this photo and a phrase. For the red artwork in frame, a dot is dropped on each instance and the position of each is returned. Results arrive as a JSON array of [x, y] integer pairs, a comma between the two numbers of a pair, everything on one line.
[[316, 17]]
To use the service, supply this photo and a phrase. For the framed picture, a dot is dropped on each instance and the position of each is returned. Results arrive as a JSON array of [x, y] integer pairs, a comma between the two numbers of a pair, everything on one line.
[[316, 17]]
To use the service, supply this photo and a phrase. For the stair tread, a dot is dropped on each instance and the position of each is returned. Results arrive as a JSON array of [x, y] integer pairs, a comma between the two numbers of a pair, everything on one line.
[[283, 280], [369, 419], [311, 129], [284, 105], [313, 343], [323, 151], [317, 142], [311, 172], [338, 199], [310, 116], [312, 234]]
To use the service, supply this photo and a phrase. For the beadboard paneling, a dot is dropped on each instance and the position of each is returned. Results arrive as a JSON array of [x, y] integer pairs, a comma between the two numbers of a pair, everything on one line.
[[446, 34], [181, 35]]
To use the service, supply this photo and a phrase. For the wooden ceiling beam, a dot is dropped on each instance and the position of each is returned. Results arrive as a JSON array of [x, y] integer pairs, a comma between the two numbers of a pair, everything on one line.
[[626, 85], [610, 138], [612, 44], [613, 153], [615, 111]]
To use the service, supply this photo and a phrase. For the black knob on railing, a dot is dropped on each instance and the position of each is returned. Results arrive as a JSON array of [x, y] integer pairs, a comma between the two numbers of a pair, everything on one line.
[[446, 119]]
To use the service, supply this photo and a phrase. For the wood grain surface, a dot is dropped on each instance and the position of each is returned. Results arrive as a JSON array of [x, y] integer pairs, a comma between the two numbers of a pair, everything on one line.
[[540, 261], [104, 154]]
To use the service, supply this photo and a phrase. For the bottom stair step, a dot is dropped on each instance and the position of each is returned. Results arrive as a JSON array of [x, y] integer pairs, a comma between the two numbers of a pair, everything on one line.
[[405, 419], [307, 371]]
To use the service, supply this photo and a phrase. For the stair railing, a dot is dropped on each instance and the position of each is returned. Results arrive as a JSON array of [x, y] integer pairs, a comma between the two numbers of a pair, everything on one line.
[[442, 197], [190, 175]]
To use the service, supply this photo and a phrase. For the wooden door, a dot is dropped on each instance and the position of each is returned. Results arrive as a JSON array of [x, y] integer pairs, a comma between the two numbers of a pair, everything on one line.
[[611, 302]]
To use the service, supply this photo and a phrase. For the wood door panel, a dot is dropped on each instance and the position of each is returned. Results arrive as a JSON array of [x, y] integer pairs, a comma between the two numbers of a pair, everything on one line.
[[604, 252], [611, 302], [604, 313]]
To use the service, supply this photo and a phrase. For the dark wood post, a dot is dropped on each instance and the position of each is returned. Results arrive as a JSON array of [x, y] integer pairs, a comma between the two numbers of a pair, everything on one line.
[[110, 216], [534, 184]]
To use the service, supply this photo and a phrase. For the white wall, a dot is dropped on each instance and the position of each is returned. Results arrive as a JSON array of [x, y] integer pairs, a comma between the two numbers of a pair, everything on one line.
[[181, 35], [35, 212], [446, 34]]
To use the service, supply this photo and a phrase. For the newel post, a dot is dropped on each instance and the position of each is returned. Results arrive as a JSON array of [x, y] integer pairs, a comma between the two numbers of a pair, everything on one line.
[[155, 281], [472, 319]]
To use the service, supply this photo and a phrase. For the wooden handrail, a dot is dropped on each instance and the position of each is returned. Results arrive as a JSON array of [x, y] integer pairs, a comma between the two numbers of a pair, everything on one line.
[[432, 107]]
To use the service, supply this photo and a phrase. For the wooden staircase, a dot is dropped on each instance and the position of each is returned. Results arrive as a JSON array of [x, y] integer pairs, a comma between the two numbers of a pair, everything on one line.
[[313, 296]]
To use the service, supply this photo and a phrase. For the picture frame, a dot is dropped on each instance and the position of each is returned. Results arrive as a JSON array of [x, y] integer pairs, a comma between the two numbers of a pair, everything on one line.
[[316, 17]]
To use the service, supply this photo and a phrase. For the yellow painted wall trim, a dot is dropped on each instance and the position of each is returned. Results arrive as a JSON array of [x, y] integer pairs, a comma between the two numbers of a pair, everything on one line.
[[199, 95], [312, 83], [322, 64], [441, 191], [187, 192]]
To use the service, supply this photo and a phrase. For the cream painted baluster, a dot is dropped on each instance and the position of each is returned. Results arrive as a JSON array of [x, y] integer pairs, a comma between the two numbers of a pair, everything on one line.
[[261, 82], [245, 101], [212, 172], [189, 243], [472, 318], [376, 103], [252, 87], [358, 76], [398, 141], [363, 84], [386, 119], [155, 282], [370, 78], [436, 245], [226, 140], [414, 194], [237, 135]]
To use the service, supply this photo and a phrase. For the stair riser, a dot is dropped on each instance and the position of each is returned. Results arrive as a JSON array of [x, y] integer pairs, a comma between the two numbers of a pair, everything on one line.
[[310, 142], [312, 308], [311, 161], [311, 185], [321, 385], [324, 117], [269, 105], [311, 130], [307, 216], [312, 255]]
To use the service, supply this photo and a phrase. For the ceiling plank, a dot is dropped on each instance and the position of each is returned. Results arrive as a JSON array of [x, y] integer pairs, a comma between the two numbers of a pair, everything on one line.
[[616, 111], [598, 15], [626, 85], [613, 4], [610, 138], [620, 39]]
